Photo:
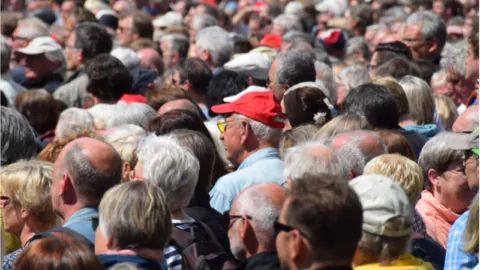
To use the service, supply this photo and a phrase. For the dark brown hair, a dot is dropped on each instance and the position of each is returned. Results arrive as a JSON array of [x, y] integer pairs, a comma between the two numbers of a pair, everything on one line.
[[396, 143], [55, 253], [142, 24], [161, 95], [303, 104], [40, 109]]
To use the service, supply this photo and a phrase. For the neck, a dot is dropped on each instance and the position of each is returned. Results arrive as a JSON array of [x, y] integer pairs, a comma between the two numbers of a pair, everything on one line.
[[250, 151], [198, 98], [447, 203], [407, 122], [68, 212], [28, 231], [257, 250], [153, 254], [180, 215]]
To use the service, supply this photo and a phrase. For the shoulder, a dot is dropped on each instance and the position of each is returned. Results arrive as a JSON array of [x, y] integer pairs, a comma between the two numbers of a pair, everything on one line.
[[10, 259]]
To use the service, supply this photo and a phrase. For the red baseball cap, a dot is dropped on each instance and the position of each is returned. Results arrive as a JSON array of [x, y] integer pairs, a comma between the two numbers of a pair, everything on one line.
[[259, 106], [272, 41], [128, 98]]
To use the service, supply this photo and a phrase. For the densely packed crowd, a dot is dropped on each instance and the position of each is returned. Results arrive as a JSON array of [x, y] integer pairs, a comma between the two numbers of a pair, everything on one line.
[[239, 134]]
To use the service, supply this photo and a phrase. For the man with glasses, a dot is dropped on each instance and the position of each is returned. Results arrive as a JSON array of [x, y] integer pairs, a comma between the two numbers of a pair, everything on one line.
[[252, 239], [134, 26], [319, 225], [456, 257], [250, 132]]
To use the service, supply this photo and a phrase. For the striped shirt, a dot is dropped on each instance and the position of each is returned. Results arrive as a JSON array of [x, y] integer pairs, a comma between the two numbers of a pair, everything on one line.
[[171, 254]]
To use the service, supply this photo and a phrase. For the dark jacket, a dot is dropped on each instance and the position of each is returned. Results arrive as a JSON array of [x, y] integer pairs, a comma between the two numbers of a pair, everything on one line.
[[142, 263], [265, 260]]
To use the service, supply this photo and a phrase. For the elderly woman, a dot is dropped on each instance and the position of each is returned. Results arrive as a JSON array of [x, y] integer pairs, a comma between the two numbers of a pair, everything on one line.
[[135, 225], [25, 201], [447, 195]]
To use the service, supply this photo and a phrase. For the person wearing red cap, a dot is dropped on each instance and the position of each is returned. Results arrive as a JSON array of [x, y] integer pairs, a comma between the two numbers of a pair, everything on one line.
[[250, 133]]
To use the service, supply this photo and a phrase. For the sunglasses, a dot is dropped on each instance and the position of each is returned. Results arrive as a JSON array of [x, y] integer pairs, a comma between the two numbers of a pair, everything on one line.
[[280, 227], [222, 126]]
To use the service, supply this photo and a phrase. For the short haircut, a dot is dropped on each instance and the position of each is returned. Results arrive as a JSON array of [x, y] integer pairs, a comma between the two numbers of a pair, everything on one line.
[[142, 24], [40, 109], [6, 54], [92, 39], [177, 43], [295, 136], [157, 97], [357, 45], [397, 48], [108, 78], [400, 97], [289, 22], [223, 84], [397, 68], [294, 67], [170, 166], [329, 212], [342, 123], [135, 215], [73, 121], [363, 14], [218, 42], [432, 25], [396, 143], [197, 72], [91, 182], [125, 139], [306, 105], [420, 99], [32, 27], [374, 102], [402, 170], [304, 162], [17, 137], [454, 58], [57, 253], [113, 115], [27, 183]]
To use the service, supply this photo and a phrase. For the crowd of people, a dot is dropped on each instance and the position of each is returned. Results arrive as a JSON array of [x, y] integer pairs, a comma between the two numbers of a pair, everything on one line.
[[239, 134]]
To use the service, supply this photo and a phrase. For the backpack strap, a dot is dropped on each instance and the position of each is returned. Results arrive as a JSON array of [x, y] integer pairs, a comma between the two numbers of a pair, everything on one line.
[[210, 234], [64, 233]]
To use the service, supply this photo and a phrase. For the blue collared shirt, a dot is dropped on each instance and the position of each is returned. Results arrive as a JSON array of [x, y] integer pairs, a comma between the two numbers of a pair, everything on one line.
[[263, 166], [82, 222], [456, 258]]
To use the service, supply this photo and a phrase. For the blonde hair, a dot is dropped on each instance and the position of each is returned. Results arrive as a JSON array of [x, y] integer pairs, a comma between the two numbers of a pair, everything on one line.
[[341, 124], [420, 99], [27, 183], [446, 110], [402, 170], [471, 230], [396, 89]]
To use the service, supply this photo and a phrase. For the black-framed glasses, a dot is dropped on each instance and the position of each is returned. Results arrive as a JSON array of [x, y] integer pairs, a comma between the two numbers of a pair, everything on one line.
[[234, 217], [281, 227]]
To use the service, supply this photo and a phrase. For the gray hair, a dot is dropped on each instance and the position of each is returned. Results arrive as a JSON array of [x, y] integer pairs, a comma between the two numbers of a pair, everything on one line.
[[32, 27], [73, 121], [6, 53], [437, 155], [177, 43], [201, 21], [218, 42], [353, 76], [454, 57], [356, 153], [432, 25], [289, 22], [358, 44], [113, 115], [16, 136], [420, 99], [324, 74], [170, 166], [58, 56], [127, 56], [262, 132], [293, 67], [125, 139], [313, 159]]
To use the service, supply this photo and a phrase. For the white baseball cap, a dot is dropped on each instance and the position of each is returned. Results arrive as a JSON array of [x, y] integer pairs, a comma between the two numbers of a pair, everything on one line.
[[169, 19], [252, 88], [255, 65], [40, 45]]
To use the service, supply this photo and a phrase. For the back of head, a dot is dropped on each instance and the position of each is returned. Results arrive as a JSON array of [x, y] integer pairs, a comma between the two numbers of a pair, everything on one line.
[[446, 110], [198, 74], [109, 79], [312, 159], [295, 136], [329, 213], [5, 54], [57, 253], [400, 97], [17, 137], [135, 215], [420, 99], [139, 114], [396, 68], [218, 42], [142, 24], [223, 84], [92, 39], [306, 105], [73, 121], [127, 56], [294, 67], [170, 166], [396, 143], [406, 172], [156, 98], [125, 139], [397, 48], [93, 166], [31, 28], [342, 123], [363, 15], [374, 102], [467, 121]]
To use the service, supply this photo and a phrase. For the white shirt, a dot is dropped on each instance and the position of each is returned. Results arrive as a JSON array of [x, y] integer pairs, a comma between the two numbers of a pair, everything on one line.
[[10, 88]]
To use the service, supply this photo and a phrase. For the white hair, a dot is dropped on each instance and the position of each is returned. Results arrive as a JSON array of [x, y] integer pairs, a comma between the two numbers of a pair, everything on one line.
[[312, 159], [353, 76], [324, 75], [73, 121], [171, 167], [218, 42], [125, 139], [32, 27], [262, 132], [432, 25], [454, 58], [294, 8], [127, 56], [112, 115], [201, 21], [58, 56], [289, 22]]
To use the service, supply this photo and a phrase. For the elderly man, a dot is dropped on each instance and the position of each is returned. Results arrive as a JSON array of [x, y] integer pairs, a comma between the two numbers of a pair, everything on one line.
[[289, 69], [73, 121], [180, 104], [250, 132], [151, 59], [134, 26], [456, 257], [467, 121], [134, 214], [357, 148], [84, 44], [314, 159], [44, 62], [253, 65], [27, 30], [7, 85], [448, 194], [174, 49], [319, 225], [252, 239], [425, 34], [85, 169], [389, 228], [213, 45]]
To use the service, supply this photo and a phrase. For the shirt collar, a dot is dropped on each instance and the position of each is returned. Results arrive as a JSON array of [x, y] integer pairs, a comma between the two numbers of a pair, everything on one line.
[[263, 153]]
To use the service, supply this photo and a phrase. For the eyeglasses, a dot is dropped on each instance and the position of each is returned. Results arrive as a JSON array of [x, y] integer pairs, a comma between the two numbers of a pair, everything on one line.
[[4, 200], [411, 40], [280, 227], [222, 126], [123, 29], [467, 155], [234, 217]]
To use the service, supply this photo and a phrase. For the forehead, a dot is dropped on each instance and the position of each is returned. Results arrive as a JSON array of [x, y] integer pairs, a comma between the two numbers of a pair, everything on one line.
[[413, 30]]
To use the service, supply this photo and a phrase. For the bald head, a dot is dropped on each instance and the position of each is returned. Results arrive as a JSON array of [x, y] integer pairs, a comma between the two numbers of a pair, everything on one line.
[[178, 104], [273, 194], [93, 167], [357, 148], [467, 121], [150, 59]]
